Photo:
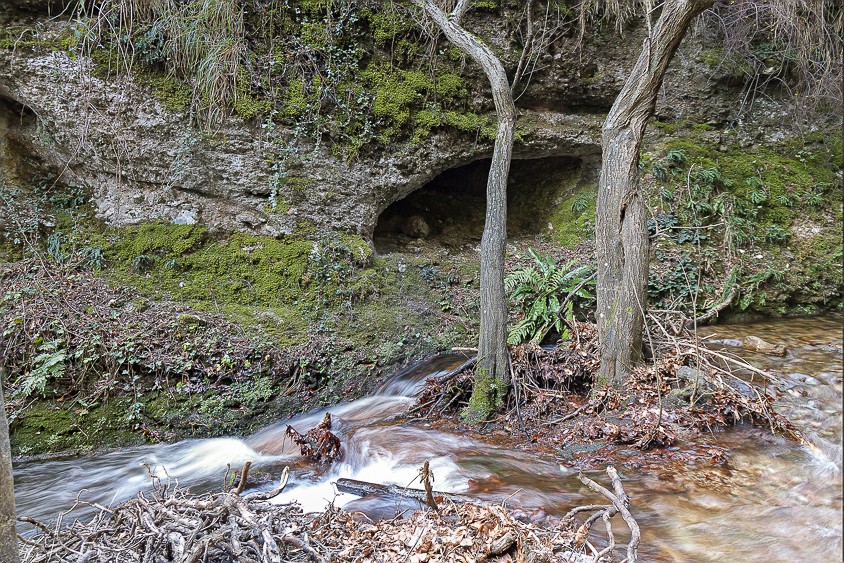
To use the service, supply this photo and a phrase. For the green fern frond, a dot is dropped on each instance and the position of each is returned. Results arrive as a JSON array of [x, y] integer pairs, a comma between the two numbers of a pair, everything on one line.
[[539, 292]]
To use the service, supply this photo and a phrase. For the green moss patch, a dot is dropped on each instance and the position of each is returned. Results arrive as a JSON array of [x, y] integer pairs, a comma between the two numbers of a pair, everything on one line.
[[770, 212], [573, 220]]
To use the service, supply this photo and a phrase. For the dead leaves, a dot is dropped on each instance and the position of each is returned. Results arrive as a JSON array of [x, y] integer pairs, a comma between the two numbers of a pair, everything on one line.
[[464, 533], [319, 444]]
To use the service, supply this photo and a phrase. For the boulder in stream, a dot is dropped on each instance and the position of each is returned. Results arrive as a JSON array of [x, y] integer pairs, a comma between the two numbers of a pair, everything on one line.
[[756, 344]]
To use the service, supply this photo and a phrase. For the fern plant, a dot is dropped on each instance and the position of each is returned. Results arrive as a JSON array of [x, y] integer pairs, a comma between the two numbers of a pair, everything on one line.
[[48, 364], [544, 294]]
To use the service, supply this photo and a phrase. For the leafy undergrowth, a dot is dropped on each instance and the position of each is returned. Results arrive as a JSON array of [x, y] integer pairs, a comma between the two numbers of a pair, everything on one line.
[[662, 419], [92, 365]]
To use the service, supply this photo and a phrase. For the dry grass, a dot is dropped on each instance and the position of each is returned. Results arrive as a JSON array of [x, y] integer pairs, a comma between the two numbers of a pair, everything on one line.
[[201, 41]]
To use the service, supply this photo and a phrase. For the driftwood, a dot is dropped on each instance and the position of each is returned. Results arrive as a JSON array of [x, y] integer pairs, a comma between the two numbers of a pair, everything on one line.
[[619, 505], [174, 525], [364, 488]]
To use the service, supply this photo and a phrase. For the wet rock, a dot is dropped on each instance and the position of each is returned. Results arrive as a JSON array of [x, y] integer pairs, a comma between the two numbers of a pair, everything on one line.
[[756, 344], [744, 389], [834, 347], [692, 383], [807, 379], [798, 391], [730, 342], [688, 374]]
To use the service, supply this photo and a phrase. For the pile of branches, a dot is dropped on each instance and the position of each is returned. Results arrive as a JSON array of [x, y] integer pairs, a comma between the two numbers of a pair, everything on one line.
[[685, 388], [540, 375], [174, 525]]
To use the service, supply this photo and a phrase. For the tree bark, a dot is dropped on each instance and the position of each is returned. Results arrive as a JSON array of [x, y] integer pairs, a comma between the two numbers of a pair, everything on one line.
[[8, 535], [621, 222], [492, 374]]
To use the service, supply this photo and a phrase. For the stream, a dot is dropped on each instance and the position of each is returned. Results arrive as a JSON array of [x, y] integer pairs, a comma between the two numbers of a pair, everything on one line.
[[773, 501]]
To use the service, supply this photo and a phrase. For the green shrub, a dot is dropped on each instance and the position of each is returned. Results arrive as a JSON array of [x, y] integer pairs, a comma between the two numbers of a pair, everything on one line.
[[544, 295]]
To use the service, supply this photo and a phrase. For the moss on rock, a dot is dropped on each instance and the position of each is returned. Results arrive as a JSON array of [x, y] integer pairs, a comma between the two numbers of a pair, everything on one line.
[[768, 210]]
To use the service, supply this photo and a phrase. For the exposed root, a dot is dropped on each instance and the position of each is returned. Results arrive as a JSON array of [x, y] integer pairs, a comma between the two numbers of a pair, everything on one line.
[[686, 390], [318, 444]]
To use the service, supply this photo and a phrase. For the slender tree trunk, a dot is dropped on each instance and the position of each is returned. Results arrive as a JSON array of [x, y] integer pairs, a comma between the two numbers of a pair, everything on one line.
[[621, 223], [8, 536], [492, 375]]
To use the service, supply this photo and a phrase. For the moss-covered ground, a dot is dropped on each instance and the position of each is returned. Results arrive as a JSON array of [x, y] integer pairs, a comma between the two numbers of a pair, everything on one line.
[[160, 331]]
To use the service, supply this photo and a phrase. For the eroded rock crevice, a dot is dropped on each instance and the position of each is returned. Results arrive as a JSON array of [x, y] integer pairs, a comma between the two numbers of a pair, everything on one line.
[[18, 159]]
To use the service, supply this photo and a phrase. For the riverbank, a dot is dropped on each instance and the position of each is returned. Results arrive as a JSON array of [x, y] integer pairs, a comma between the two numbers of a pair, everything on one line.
[[661, 421], [94, 364], [686, 511]]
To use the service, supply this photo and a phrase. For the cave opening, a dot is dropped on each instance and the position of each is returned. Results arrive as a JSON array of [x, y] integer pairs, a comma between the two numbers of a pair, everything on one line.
[[450, 209], [17, 129]]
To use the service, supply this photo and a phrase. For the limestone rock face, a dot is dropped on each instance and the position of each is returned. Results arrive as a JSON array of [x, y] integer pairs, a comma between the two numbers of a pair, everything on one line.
[[143, 162]]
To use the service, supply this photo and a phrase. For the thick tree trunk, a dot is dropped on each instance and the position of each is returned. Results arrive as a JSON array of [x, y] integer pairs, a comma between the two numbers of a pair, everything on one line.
[[621, 223], [492, 380], [8, 537]]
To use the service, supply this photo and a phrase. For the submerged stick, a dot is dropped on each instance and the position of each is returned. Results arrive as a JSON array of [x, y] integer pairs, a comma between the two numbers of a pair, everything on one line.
[[364, 488], [619, 500], [267, 495]]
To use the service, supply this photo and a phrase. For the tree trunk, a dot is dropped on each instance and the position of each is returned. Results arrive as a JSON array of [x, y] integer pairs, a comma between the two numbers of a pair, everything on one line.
[[621, 235], [492, 374], [8, 536]]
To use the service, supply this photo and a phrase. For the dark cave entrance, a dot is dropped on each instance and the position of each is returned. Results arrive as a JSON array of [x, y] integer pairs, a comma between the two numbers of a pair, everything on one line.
[[18, 131], [450, 209]]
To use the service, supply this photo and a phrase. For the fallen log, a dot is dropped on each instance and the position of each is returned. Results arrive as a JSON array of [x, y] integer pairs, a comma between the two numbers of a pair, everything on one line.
[[364, 488], [455, 371]]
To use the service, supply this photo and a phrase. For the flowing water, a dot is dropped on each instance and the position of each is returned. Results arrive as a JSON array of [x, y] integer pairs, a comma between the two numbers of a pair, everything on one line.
[[774, 501]]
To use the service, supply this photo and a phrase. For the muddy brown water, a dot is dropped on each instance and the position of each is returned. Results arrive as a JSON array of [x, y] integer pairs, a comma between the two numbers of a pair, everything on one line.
[[773, 501]]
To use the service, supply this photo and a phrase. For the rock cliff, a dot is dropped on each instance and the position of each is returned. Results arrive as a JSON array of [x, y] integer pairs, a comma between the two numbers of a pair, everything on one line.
[[144, 161]]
